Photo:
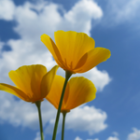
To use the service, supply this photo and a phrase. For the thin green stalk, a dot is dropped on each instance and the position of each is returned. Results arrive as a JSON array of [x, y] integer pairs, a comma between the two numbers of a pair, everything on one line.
[[63, 125], [38, 104], [68, 74]]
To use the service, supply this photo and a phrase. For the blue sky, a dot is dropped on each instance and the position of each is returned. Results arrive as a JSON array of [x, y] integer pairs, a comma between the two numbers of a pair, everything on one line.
[[115, 113]]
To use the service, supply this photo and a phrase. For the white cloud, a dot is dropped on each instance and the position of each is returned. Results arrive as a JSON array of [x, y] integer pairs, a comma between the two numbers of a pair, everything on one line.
[[7, 9], [86, 119], [129, 10], [93, 139], [115, 134], [78, 138], [30, 50], [99, 78], [112, 138], [115, 137], [135, 135], [1, 46], [121, 11], [30, 25], [83, 118], [80, 16], [37, 136], [20, 113]]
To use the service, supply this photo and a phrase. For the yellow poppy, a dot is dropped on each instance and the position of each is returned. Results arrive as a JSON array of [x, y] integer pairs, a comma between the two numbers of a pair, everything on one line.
[[32, 82], [79, 90], [75, 52]]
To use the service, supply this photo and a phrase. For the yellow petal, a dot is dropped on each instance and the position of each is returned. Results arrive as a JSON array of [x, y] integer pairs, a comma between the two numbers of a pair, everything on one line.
[[37, 74], [23, 78], [15, 91], [73, 46], [56, 90], [54, 94], [81, 91], [81, 62], [48, 42], [47, 81], [93, 58]]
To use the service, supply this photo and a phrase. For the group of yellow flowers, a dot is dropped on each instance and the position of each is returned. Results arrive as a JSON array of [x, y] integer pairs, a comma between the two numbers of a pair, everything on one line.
[[75, 53]]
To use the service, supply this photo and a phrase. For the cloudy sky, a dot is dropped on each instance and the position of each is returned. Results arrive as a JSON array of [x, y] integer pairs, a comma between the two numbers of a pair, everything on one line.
[[114, 24]]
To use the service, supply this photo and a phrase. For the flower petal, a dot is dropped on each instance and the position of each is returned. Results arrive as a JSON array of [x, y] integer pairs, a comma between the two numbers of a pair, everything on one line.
[[56, 90], [22, 77], [81, 91], [94, 57], [15, 91], [47, 81], [55, 93], [73, 46], [37, 75], [48, 42]]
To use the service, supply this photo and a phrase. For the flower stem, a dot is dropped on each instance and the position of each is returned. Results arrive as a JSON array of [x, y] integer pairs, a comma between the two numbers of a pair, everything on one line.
[[38, 104], [63, 125], [68, 74]]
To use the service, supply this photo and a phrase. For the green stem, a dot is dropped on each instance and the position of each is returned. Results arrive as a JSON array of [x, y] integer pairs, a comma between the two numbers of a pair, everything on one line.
[[63, 125], [68, 74], [38, 104]]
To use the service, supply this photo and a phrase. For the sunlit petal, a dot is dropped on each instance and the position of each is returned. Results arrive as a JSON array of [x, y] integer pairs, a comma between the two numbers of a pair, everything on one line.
[[47, 81], [72, 50], [15, 91], [73, 46], [94, 57], [22, 77], [81, 91], [55, 93], [32, 82], [48, 42], [37, 74], [56, 90]]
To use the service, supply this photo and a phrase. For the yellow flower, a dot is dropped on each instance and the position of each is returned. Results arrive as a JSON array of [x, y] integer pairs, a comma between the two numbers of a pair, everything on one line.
[[75, 52], [79, 90], [32, 82]]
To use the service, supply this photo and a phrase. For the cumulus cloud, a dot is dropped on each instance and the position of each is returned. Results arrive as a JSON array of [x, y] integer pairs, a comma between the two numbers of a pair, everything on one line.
[[37, 136], [128, 10], [99, 78], [80, 16], [115, 134], [83, 118], [31, 24], [115, 137], [112, 138], [78, 138], [7, 9], [20, 113], [121, 11], [32, 21], [93, 139], [86, 119], [135, 135], [1, 46]]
